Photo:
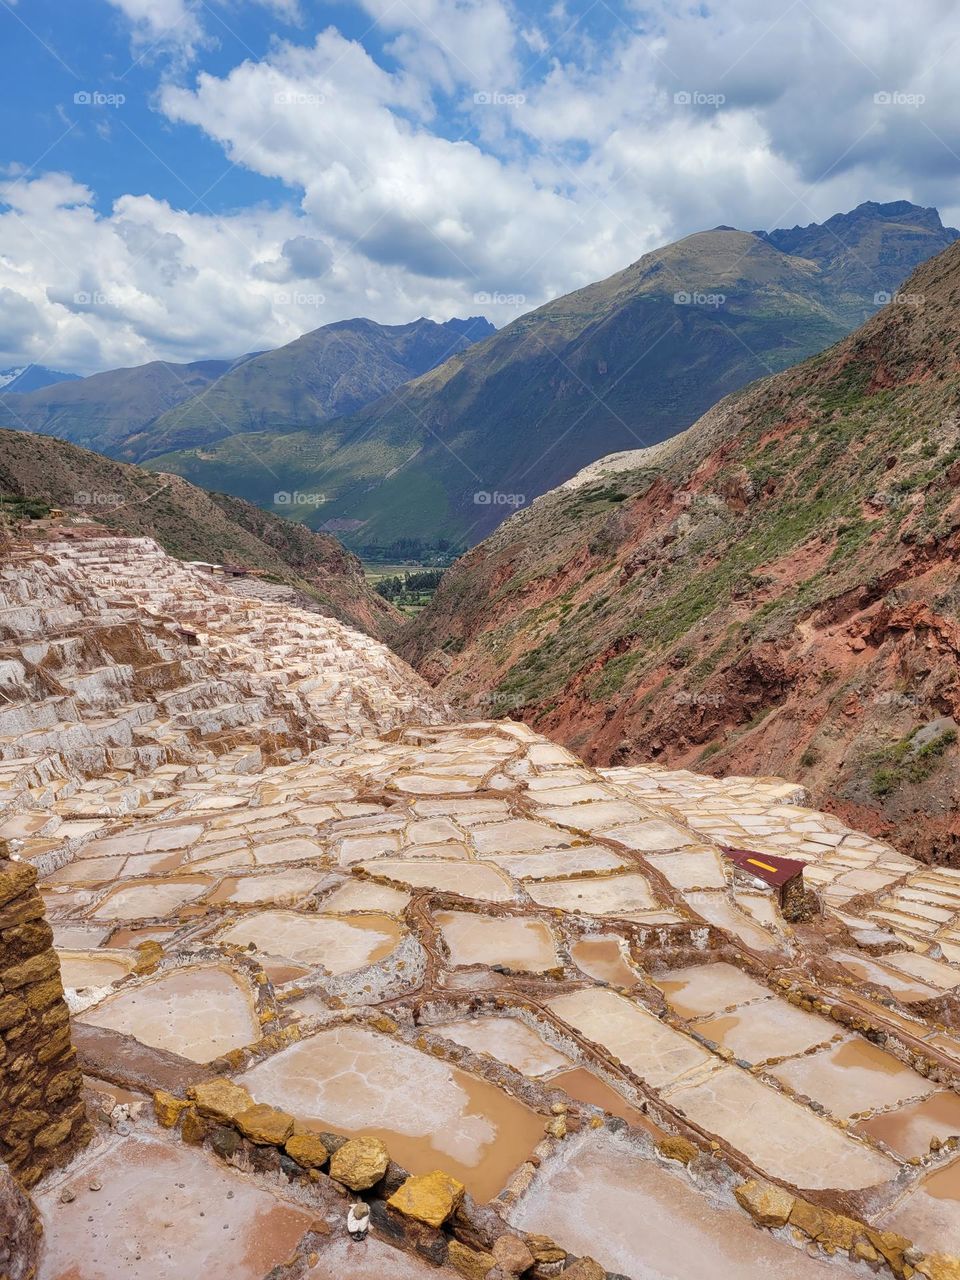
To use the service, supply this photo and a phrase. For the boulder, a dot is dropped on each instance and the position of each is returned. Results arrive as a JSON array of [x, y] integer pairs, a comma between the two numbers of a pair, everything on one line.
[[220, 1099], [677, 1148], [471, 1263], [307, 1149], [767, 1204], [512, 1255], [585, 1269], [429, 1197], [167, 1108], [265, 1125], [360, 1163]]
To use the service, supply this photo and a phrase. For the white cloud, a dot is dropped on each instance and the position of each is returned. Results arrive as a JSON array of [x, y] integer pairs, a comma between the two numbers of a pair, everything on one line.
[[408, 196]]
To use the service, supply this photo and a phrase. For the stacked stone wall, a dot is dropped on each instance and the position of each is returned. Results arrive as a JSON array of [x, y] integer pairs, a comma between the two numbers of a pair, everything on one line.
[[42, 1116]]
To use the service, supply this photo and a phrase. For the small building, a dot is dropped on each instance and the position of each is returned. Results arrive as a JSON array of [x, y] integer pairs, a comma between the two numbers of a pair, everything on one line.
[[784, 876]]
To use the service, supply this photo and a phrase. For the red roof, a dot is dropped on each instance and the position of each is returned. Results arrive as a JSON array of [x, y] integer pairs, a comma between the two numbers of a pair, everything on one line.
[[768, 867]]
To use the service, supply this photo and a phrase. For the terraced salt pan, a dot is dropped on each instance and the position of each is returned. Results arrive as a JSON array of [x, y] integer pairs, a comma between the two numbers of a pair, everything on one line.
[[296, 849], [909, 1129], [555, 863], [699, 989], [604, 958], [780, 1137], [143, 1224], [508, 1040], [79, 969], [605, 1201], [290, 886], [935, 972], [690, 868], [199, 1013], [720, 911], [853, 1075], [430, 1115], [341, 945], [605, 896], [768, 1029], [867, 970], [655, 1052], [472, 939], [595, 814], [584, 1085], [153, 899], [358, 895], [470, 880], [519, 835], [930, 1215]]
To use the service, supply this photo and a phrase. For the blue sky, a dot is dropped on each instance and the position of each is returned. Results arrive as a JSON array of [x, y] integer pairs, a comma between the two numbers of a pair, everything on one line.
[[249, 169]]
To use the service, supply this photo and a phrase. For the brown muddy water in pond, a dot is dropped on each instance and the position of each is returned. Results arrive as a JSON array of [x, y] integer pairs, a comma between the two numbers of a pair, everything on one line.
[[602, 958], [908, 1130], [430, 1114], [281, 973], [945, 1183], [584, 1086], [127, 938]]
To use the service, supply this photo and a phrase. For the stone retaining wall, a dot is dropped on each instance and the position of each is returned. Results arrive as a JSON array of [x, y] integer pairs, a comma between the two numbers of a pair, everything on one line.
[[42, 1115]]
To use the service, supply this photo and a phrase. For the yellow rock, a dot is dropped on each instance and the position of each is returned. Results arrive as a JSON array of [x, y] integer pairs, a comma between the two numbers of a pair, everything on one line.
[[149, 955], [307, 1149], [939, 1266], [676, 1148], [767, 1204], [892, 1247], [470, 1262], [360, 1163], [863, 1251], [556, 1127], [193, 1128], [265, 1125], [544, 1249], [220, 1099], [428, 1197], [167, 1108]]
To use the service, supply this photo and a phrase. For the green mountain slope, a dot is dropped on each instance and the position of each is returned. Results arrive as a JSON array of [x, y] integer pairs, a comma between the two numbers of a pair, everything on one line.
[[622, 363], [331, 371], [99, 412]]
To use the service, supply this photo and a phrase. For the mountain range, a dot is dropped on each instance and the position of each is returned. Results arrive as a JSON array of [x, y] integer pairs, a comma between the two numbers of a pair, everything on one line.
[[430, 434], [774, 591], [32, 377], [148, 409], [628, 361]]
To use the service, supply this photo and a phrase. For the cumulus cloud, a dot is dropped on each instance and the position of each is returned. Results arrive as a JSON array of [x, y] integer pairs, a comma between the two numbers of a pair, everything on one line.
[[470, 148]]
